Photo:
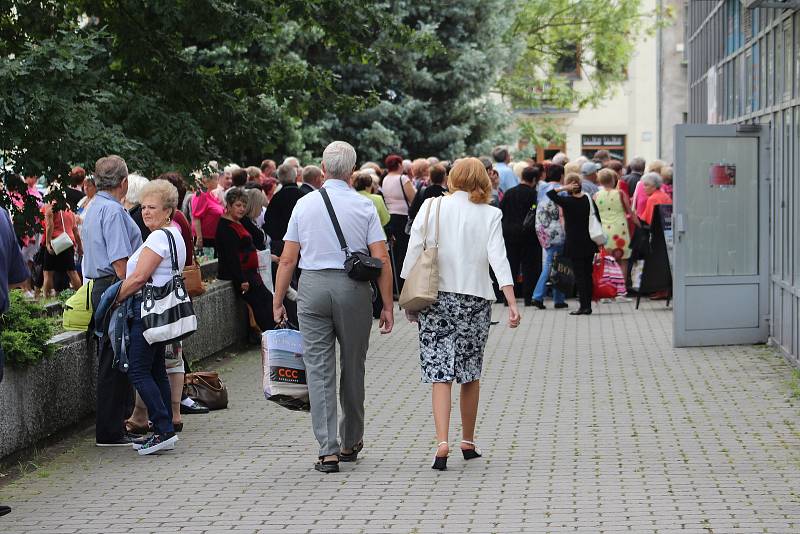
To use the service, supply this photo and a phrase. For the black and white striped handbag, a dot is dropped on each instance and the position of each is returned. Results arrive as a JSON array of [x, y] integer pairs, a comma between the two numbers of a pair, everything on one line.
[[167, 311]]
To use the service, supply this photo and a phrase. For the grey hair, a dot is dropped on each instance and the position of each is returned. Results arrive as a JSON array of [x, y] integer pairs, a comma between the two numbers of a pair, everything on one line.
[[109, 172], [291, 160], [339, 159], [287, 173], [166, 192], [560, 159], [653, 178], [136, 184], [637, 164]]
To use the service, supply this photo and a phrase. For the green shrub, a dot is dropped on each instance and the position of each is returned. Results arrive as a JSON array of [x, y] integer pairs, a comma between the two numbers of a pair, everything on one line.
[[25, 331], [65, 295]]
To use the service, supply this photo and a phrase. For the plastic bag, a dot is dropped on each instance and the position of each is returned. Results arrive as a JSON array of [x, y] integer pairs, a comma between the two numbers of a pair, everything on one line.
[[284, 373], [613, 275], [636, 274]]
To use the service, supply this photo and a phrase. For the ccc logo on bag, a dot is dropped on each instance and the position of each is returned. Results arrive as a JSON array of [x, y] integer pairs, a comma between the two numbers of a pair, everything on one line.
[[287, 374]]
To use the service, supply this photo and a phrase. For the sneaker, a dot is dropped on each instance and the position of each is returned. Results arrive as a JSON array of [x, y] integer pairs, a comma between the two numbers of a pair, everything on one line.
[[124, 441], [138, 443], [158, 442]]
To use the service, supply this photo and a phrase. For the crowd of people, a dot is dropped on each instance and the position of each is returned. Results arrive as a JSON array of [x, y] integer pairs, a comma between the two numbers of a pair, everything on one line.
[[273, 230]]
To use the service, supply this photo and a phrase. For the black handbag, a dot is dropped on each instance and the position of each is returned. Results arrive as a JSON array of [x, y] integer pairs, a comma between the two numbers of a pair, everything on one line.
[[529, 222], [357, 265], [562, 274]]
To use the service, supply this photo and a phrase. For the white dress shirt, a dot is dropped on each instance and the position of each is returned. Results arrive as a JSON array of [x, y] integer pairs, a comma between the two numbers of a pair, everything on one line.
[[311, 226], [470, 240]]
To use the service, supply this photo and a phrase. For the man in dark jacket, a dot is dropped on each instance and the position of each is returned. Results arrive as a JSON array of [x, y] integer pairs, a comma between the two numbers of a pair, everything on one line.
[[438, 187], [637, 170], [522, 247], [280, 208]]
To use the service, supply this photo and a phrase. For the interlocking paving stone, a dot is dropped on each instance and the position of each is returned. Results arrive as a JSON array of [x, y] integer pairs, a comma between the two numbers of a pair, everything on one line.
[[589, 424]]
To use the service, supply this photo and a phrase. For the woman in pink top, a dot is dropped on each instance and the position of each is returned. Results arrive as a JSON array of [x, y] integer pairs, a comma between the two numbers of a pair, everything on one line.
[[206, 211], [398, 192]]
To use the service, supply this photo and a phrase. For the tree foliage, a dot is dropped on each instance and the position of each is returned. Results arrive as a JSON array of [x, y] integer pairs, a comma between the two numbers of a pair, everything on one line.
[[563, 41]]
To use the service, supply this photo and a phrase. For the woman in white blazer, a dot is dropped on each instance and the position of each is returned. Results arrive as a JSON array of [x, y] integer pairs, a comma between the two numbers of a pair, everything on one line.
[[454, 329]]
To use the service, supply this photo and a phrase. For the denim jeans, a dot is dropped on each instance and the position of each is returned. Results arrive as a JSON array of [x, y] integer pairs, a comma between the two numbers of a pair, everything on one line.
[[148, 374], [541, 287]]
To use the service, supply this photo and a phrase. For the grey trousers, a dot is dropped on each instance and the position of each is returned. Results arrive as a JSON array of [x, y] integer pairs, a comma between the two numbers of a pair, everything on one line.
[[332, 307]]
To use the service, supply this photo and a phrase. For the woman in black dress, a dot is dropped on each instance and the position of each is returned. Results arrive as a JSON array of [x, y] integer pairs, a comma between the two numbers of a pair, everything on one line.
[[578, 247]]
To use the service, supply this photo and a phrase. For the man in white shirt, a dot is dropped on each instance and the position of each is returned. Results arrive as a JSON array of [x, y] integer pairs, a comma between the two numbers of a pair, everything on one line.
[[331, 305]]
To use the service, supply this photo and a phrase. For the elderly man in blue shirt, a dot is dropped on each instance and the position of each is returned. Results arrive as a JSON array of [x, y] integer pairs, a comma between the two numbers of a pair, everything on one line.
[[12, 271], [508, 179], [109, 237], [332, 306]]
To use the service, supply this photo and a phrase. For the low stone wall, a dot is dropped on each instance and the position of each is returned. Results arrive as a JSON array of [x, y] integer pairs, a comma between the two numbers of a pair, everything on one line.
[[39, 400]]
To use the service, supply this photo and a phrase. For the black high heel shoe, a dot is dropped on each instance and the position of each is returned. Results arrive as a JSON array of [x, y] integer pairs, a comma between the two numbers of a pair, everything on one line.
[[471, 454], [440, 462]]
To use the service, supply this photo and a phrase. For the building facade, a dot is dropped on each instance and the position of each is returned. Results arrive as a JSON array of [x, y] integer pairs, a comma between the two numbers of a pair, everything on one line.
[[638, 119], [744, 67]]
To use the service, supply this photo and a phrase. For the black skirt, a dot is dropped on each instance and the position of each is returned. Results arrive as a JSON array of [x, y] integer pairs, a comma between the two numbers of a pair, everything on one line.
[[60, 263]]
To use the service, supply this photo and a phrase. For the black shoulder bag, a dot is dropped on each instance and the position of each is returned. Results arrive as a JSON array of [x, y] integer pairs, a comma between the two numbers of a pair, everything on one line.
[[359, 266]]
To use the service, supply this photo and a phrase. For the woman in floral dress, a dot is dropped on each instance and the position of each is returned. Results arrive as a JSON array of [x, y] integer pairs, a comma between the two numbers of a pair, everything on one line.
[[614, 205]]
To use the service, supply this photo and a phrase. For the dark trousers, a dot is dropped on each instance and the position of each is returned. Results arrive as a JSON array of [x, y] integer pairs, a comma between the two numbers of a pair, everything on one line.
[[260, 300], [583, 280], [397, 229], [525, 258], [2, 361], [114, 395], [148, 374]]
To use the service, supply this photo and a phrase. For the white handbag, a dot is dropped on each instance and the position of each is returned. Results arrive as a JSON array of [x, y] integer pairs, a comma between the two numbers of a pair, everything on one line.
[[167, 311], [596, 232], [421, 288], [265, 268], [61, 242]]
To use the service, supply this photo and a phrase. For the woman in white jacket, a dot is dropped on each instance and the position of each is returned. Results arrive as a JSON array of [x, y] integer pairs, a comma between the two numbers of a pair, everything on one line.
[[454, 329]]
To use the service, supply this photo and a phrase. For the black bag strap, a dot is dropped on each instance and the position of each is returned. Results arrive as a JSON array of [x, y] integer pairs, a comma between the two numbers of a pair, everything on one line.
[[173, 250], [335, 221]]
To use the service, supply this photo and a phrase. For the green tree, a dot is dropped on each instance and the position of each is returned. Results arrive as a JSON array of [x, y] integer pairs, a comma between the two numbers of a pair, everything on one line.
[[559, 41]]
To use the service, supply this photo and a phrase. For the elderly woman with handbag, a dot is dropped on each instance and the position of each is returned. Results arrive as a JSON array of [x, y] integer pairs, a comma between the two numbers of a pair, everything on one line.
[[453, 245], [61, 241], [154, 260]]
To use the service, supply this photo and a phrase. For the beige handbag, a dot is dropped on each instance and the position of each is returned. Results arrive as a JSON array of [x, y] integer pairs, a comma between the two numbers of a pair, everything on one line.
[[421, 288]]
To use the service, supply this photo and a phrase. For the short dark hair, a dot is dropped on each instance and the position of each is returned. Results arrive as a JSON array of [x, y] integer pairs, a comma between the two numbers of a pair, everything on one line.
[[362, 181], [615, 165], [500, 154], [239, 177], [554, 173], [236, 194], [77, 176], [531, 174], [487, 162], [437, 174], [601, 155]]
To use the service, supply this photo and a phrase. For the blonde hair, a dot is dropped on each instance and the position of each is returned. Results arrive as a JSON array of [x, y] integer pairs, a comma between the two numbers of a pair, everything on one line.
[[655, 166], [420, 167], [606, 177], [166, 193], [572, 167], [519, 167], [572, 177], [256, 199], [469, 175]]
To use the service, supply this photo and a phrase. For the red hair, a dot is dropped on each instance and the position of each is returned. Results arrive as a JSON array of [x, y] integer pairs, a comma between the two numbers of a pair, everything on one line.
[[393, 162]]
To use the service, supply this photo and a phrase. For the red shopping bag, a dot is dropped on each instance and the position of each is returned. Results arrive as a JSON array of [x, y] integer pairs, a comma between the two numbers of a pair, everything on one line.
[[602, 286]]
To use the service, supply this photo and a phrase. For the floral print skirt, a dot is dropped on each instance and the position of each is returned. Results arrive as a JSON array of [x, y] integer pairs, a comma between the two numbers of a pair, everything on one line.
[[452, 335]]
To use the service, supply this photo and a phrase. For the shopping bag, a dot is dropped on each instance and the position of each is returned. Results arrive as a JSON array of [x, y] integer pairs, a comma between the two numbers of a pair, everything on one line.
[[613, 275], [636, 274], [78, 309], [562, 274], [284, 373], [601, 287]]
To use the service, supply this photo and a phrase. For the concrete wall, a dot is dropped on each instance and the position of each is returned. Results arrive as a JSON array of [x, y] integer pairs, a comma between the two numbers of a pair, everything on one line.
[[39, 400], [674, 98]]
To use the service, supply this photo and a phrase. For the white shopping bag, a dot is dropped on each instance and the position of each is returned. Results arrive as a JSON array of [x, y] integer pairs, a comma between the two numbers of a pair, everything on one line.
[[284, 373]]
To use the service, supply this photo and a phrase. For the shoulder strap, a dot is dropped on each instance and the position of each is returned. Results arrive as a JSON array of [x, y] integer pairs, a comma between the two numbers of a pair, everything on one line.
[[173, 250], [334, 220]]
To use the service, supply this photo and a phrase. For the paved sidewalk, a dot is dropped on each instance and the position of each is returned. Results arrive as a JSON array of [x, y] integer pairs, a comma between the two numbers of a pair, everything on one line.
[[589, 424]]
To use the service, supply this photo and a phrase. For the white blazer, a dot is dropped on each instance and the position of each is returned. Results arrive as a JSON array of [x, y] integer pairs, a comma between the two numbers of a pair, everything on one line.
[[470, 240]]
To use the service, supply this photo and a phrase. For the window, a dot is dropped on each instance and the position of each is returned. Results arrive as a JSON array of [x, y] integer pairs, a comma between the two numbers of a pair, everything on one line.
[[568, 61], [615, 144], [547, 153], [779, 61], [770, 68], [788, 37]]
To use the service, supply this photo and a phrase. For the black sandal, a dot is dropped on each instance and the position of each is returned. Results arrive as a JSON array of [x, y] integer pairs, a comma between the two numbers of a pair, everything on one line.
[[330, 466], [352, 456]]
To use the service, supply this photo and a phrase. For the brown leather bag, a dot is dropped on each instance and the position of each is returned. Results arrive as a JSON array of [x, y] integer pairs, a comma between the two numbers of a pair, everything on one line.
[[207, 388], [193, 279]]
